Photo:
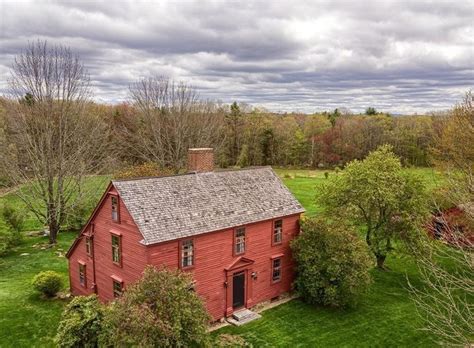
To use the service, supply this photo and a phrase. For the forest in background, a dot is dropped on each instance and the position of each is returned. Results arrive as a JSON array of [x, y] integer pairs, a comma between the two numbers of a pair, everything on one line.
[[249, 136]]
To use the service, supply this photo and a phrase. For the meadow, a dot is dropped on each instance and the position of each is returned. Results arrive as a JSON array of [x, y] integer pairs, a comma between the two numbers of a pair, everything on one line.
[[386, 316]]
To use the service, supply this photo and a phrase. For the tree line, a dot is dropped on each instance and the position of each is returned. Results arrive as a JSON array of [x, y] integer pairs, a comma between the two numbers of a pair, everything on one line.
[[160, 128]]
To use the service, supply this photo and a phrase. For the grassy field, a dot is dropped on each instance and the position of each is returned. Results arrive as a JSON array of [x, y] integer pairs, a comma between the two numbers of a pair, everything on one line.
[[386, 317], [26, 319]]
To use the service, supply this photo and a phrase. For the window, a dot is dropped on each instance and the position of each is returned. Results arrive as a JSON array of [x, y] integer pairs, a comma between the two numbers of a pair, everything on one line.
[[187, 253], [240, 240], [115, 212], [277, 231], [118, 288], [89, 246], [116, 249], [82, 274], [276, 270]]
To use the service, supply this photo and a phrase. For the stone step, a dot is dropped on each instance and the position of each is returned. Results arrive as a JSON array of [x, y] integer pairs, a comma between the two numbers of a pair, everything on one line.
[[243, 316]]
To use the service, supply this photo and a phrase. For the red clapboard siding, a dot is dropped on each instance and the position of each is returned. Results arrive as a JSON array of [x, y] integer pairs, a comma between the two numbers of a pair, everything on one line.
[[214, 252], [133, 252], [213, 255]]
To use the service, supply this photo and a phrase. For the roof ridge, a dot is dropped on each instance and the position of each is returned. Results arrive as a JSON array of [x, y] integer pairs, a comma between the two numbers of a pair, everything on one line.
[[152, 177], [222, 170]]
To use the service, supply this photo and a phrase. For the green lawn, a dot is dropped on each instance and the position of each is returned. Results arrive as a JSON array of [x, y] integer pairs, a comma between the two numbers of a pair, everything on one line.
[[386, 317], [26, 319]]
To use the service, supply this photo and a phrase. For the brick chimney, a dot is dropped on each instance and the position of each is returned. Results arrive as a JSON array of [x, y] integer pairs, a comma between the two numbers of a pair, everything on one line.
[[201, 160]]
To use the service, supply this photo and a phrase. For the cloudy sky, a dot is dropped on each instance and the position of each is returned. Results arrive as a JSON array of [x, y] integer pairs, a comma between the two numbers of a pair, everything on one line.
[[398, 56]]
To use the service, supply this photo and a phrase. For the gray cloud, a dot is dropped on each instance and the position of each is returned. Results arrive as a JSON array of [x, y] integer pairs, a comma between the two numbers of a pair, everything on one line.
[[399, 56]]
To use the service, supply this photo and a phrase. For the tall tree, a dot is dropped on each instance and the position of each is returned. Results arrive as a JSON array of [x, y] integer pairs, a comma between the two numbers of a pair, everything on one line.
[[171, 119], [453, 151], [53, 141], [370, 111], [446, 297], [388, 202], [234, 123], [332, 117]]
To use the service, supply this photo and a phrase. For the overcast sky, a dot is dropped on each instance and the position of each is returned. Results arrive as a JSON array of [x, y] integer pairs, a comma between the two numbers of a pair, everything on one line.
[[399, 56]]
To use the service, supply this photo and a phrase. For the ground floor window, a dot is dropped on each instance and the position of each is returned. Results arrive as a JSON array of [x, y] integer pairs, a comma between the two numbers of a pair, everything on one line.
[[276, 270], [82, 274], [118, 288]]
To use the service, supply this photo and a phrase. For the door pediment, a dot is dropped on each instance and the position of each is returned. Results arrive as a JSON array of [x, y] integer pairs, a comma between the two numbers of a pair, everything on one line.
[[240, 262]]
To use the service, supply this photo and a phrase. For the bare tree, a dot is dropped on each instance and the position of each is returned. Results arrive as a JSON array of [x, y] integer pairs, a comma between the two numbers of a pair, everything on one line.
[[171, 119], [446, 299], [53, 141]]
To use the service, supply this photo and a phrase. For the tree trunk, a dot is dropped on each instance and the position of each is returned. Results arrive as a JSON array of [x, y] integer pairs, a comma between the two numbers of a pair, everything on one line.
[[53, 226], [381, 261], [53, 231]]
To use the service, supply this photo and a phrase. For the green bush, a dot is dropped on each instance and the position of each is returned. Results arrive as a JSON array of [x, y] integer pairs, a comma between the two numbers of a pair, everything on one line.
[[160, 310], [10, 234], [13, 217], [8, 238], [48, 283], [80, 323], [332, 264]]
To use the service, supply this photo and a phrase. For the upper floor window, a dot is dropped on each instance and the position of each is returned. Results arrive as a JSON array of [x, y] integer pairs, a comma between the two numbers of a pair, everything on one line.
[[89, 246], [115, 210], [117, 287], [276, 270], [82, 274], [187, 253], [239, 240], [116, 249], [277, 231]]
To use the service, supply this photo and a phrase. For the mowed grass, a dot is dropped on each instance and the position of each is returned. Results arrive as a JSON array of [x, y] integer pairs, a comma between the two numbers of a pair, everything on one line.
[[386, 317], [27, 319]]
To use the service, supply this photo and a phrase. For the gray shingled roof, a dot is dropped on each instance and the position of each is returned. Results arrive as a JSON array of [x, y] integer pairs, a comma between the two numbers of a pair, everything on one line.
[[167, 208]]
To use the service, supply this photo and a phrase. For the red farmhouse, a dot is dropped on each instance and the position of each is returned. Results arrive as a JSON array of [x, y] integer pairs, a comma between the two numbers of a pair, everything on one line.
[[230, 229]]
